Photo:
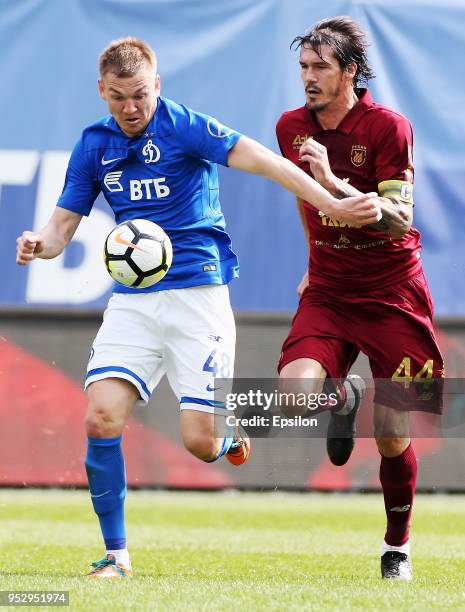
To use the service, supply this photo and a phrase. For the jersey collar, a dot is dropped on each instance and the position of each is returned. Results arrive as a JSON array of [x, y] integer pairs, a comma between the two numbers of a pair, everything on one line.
[[365, 101]]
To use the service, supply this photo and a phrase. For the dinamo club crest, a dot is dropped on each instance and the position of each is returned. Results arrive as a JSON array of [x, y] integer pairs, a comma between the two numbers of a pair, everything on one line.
[[358, 155]]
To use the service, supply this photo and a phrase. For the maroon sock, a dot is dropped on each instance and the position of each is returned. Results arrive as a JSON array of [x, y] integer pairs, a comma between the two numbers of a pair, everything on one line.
[[398, 476]]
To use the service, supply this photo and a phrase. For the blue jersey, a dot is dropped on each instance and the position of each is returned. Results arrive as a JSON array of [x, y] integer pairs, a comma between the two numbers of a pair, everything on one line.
[[167, 175]]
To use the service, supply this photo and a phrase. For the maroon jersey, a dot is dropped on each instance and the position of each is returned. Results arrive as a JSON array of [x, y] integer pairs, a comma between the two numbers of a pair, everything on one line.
[[372, 144]]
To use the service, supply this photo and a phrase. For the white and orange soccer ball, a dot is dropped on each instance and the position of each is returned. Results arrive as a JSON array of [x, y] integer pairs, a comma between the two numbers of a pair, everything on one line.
[[138, 253]]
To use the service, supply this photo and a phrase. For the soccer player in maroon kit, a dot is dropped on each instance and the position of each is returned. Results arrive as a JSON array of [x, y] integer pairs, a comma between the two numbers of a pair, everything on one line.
[[365, 289]]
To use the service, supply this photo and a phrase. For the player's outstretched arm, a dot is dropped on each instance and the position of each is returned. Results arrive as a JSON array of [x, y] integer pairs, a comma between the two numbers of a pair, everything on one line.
[[51, 240], [396, 215], [251, 156]]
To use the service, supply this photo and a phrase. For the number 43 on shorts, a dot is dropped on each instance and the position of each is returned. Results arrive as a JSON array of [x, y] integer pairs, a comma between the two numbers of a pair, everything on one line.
[[218, 366], [404, 371]]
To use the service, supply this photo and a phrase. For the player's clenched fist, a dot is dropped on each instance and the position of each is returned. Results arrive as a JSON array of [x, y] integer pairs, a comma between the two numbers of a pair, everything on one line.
[[28, 247], [317, 157]]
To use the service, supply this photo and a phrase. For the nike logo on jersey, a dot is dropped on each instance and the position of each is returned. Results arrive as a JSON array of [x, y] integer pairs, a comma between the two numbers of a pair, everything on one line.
[[101, 494], [210, 388], [400, 508], [108, 161], [120, 240]]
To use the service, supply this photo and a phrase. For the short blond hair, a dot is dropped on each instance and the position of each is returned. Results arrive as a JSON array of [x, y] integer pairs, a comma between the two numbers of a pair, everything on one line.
[[126, 56]]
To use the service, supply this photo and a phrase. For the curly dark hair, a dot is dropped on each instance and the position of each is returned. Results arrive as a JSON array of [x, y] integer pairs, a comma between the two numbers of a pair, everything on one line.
[[347, 41]]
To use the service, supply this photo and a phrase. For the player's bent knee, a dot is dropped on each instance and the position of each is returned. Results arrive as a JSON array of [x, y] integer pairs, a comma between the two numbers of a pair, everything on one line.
[[103, 420], [110, 403], [298, 378], [392, 447], [100, 423]]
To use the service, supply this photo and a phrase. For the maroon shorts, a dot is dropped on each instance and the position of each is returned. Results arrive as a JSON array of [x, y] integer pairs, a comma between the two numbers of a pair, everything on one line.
[[392, 326]]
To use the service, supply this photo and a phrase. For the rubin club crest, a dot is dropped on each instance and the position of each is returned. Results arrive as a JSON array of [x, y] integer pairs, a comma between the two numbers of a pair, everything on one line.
[[358, 155]]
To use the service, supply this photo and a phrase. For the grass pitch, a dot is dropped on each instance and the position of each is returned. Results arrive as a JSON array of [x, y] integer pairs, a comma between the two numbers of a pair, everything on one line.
[[220, 551]]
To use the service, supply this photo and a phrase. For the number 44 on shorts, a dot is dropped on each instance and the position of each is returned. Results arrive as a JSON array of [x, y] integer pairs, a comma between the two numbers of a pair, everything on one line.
[[218, 366], [403, 372]]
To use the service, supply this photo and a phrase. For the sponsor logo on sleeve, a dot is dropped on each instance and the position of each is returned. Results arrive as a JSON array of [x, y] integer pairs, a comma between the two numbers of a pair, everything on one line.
[[217, 130]]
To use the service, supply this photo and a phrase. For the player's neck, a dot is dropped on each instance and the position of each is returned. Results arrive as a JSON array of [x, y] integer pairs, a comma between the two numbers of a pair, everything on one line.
[[331, 116]]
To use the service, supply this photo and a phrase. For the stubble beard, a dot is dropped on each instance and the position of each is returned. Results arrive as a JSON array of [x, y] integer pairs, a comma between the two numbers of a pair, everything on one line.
[[318, 107]]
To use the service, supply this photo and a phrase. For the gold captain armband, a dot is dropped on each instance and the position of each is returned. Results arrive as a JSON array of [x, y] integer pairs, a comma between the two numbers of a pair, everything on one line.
[[400, 190]]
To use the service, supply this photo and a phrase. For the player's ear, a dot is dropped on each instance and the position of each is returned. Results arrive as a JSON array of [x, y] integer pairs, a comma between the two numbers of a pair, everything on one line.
[[101, 89], [157, 84], [351, 70]]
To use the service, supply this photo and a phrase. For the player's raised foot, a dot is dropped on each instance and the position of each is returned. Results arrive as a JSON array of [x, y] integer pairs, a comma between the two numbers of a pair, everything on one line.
[[108, 568], [340, 438], [396, 565], [239, 450]]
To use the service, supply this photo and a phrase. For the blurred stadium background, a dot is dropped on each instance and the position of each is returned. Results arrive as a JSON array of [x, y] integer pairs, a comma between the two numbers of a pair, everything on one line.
[[230, 59]]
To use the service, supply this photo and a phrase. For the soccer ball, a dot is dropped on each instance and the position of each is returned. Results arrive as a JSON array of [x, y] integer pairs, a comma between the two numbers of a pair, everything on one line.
[[138, 253]]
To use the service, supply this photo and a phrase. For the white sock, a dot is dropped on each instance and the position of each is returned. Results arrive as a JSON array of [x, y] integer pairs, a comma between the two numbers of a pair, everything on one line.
[[350, 400], [405, 548], [121, 556]]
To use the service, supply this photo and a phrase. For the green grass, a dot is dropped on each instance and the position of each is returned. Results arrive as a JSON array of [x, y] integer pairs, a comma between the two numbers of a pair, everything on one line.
[[223, 551]]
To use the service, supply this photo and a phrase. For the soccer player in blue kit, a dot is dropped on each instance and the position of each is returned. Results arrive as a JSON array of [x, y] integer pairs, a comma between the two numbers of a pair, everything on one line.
[[155, 159]]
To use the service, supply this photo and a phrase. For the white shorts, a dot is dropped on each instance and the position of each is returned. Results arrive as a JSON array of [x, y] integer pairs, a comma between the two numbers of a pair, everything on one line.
[[188, 334]]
